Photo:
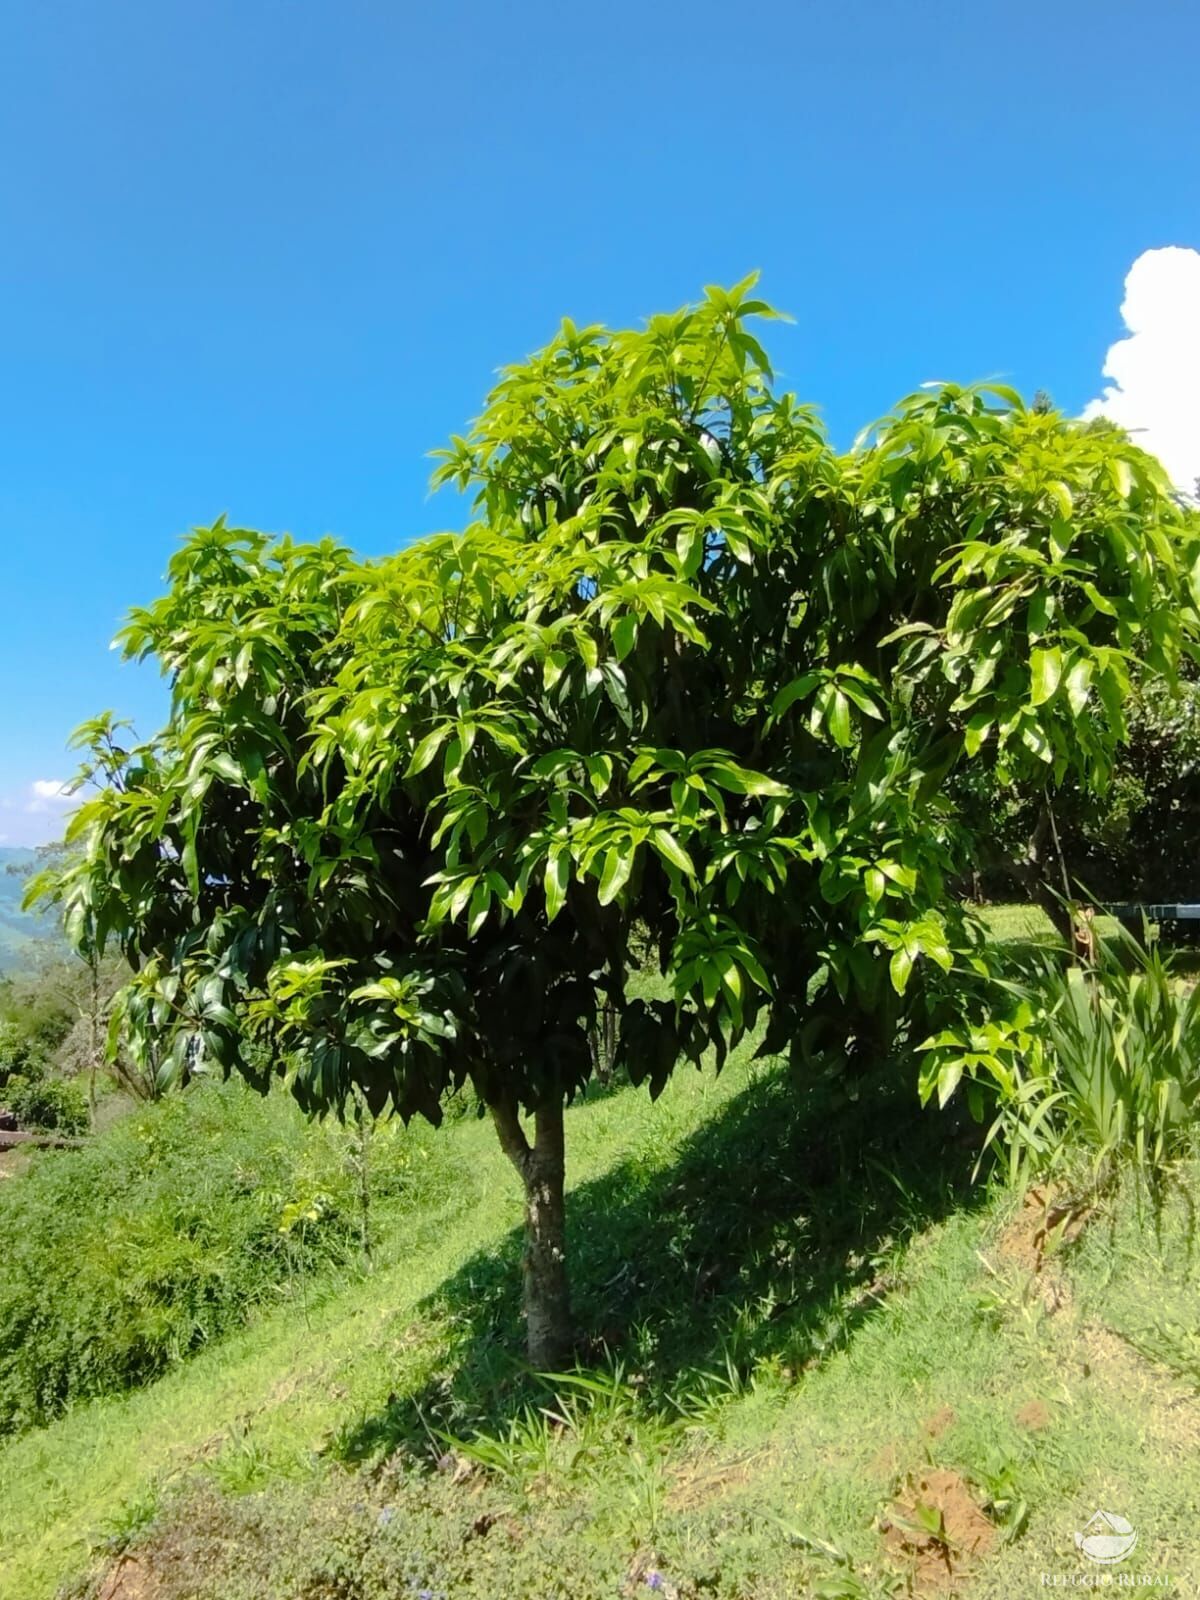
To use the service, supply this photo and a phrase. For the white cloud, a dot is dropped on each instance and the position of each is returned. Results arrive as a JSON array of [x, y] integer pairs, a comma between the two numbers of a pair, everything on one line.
[[36, 813], [1155, 372], [45, 790]]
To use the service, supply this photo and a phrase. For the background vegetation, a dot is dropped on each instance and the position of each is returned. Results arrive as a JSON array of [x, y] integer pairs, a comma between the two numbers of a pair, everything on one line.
[[178, 1225]]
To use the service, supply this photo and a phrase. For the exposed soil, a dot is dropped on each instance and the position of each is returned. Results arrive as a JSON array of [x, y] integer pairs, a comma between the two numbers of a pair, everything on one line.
[[936, 1531], [178, 1555], [1034, 1415], [935, 1426], [129, 1580], [1048, 1219], [885, 1463], [702, 1479]]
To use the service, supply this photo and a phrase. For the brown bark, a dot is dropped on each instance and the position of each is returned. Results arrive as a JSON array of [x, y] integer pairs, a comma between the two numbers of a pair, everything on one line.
[[540, 1165]]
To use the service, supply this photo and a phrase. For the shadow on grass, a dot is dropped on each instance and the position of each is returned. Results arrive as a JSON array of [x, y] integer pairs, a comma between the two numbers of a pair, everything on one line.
[[773, 1233]]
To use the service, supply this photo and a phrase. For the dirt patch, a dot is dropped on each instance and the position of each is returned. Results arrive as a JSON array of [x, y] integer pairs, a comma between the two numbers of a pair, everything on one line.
[[186, 1546], [1020, 1242], [1029, 1244], [129, 1580], [1048, 1219], [1034, 1415], [935, 1426], [702, 1480], [936, 1531]]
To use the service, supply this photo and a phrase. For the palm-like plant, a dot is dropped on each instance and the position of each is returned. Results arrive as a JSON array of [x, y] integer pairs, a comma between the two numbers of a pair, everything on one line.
[[1104, 1057]]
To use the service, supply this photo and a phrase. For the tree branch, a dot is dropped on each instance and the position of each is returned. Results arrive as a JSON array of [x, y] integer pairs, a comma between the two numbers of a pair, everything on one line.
[[511, 1134]]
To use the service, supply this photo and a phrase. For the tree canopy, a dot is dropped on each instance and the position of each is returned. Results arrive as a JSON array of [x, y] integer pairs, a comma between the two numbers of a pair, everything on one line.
[[690, 676]]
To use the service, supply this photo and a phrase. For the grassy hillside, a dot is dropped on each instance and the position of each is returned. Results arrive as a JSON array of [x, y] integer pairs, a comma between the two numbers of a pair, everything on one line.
[[183, 1221], [813, 1369]]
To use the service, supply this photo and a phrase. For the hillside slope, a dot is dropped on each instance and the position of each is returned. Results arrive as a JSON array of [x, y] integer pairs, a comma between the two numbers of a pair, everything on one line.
[[813, 1359], [20, 931]]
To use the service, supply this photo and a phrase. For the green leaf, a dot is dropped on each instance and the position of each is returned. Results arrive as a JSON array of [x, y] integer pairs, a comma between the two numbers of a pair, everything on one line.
[[739, 780], [191, 867], [1061, 496], [799, 689], [225, 766], [427, 749], [553, 668], [1098, 600], [837, 719], [900, 969], [1038, 614], [1079, 678], [554, 762], [1193, 582], [618, 864], [624, 635], [670, 849], [906, 877], [1121, 476], [855, 692], [976, 732], [618, 693], [1045, 673], [558, 875], [689, 549], [1035, 740], [480, 901]]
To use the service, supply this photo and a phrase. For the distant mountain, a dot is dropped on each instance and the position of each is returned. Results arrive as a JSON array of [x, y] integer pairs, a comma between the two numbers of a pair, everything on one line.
[[20, 931]]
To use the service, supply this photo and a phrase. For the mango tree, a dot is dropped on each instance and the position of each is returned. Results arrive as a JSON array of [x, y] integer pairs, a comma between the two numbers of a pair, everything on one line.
[[690, 676]]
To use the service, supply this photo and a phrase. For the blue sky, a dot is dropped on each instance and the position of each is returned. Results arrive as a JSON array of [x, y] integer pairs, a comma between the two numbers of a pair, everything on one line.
[[260, 258]]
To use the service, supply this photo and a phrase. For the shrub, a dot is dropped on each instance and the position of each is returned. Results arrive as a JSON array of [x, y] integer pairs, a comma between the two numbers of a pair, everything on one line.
[[167, 1231], [50, 1105], [20, 1056], [1105, 1059]]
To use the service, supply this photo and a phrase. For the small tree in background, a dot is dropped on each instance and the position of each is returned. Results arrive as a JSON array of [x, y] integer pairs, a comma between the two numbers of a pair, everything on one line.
[[691, 675], [1133, 840]]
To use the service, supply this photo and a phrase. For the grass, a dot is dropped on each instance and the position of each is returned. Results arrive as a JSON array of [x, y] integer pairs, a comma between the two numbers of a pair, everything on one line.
[[1017, 924], [1026, 924], [796, 1319], [289, 1382]]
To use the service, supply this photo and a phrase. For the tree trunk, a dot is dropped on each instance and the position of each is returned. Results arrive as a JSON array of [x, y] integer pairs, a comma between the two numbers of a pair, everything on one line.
[[1035, 874], [541, 1167], [93, 1030]]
